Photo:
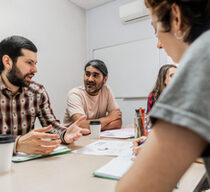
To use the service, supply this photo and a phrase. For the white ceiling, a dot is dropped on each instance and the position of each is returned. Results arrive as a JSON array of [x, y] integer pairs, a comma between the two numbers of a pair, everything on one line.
[[88, 4]]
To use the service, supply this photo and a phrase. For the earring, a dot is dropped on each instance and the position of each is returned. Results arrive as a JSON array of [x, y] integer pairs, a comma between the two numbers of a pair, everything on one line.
[[179, 37]]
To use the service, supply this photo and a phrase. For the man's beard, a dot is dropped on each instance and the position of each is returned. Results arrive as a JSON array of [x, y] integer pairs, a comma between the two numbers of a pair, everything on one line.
[[16, 78], [95, 89]]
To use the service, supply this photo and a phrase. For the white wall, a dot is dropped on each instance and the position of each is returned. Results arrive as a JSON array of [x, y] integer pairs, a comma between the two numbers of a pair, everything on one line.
[[58, 29], [105, 29]]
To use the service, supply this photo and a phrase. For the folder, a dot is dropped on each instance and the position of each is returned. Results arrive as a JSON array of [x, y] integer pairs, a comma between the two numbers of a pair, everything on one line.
[[21, 157]]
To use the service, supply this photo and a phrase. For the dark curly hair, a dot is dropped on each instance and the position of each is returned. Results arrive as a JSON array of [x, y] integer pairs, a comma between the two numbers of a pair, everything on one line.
[[12, 46]]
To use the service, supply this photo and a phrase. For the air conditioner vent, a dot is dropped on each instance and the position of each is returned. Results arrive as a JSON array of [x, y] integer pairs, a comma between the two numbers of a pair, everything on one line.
[[133, 12]]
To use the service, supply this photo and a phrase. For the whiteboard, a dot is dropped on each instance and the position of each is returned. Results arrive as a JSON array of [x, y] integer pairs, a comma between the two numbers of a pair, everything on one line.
[[132, 67]]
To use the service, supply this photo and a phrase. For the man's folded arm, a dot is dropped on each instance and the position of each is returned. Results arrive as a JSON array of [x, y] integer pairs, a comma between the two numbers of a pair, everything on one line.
[[85, 124]]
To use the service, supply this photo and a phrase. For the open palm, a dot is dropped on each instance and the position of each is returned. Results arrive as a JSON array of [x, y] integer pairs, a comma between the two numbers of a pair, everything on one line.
[[74, 131]]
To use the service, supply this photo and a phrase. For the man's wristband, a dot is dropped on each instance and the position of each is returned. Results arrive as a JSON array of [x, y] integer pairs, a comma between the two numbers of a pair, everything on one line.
[[62, 137]]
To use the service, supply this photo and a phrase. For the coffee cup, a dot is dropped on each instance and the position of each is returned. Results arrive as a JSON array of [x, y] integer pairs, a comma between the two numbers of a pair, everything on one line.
[[6, 151], [95, 129]]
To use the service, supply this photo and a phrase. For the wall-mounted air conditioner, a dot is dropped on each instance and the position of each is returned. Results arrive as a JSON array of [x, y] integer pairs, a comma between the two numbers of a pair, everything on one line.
[[133, 12]]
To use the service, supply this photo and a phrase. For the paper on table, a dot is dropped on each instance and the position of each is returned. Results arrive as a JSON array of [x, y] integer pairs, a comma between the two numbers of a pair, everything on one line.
[[19, 157], [119, 133], [106, 147], [115, 168]]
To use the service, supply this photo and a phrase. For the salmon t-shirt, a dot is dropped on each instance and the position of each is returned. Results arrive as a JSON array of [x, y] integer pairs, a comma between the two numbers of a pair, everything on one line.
[[80, 102]]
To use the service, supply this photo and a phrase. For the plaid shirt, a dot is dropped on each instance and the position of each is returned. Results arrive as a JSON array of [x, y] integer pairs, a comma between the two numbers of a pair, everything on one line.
[[18, 112]]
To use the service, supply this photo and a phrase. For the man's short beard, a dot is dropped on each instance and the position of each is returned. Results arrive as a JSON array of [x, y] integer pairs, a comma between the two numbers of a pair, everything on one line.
[[14, 77], [93, 90], [89, 90]]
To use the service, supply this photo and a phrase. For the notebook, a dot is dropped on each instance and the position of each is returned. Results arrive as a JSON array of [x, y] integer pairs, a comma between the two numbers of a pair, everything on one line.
[[115, 168], [20, 157], [122, 133]]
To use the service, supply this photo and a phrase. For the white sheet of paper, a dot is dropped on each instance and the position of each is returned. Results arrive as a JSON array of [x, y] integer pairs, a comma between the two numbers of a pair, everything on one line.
[[106, 147]]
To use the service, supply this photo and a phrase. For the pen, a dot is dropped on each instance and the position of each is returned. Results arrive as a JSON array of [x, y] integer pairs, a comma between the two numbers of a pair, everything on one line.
[[139, 144], [134, 150], [142, 142]]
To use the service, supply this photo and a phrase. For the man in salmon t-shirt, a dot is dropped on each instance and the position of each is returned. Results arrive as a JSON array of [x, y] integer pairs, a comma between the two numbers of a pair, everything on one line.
[[95, 99]]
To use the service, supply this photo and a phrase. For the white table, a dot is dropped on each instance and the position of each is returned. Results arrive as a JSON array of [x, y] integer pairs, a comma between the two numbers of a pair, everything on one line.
[[74, 172]]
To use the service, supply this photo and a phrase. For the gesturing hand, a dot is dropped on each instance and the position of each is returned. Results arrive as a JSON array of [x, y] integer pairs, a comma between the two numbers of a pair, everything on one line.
[[74, 131], [38, 141]]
